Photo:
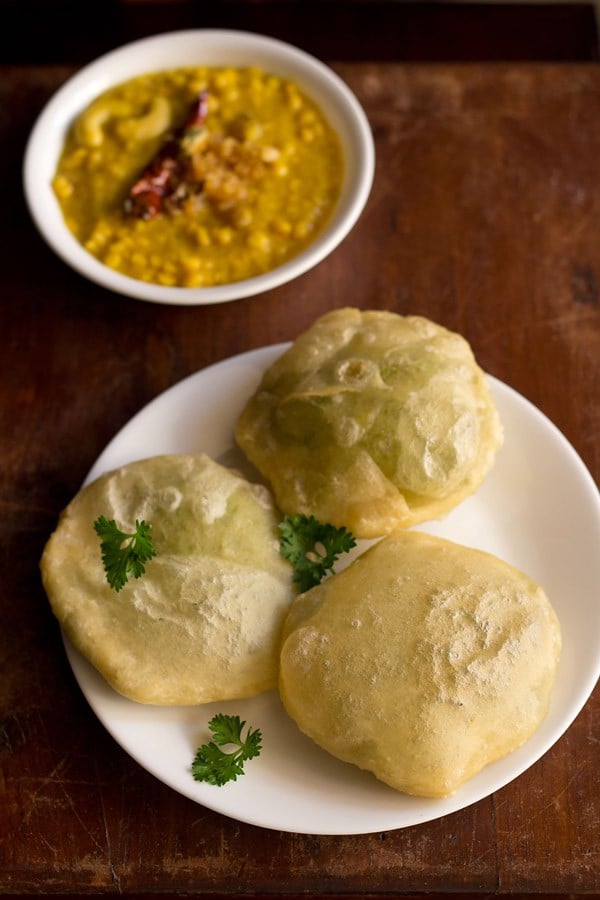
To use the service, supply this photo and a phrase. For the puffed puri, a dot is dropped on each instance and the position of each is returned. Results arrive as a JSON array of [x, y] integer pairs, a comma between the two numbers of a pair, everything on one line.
[[373, 421], [204, 622], [422, 662]]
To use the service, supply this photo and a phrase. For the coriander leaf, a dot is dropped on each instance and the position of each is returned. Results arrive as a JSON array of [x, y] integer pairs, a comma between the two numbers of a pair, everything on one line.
[[216, 766], [312, 547], [123, 554]]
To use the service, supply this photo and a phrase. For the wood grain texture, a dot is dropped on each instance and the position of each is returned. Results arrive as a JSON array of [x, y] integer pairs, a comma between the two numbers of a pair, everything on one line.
[[484, 216]]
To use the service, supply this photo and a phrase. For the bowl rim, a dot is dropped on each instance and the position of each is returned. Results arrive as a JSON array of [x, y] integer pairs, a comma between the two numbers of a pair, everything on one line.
[[324, 85]]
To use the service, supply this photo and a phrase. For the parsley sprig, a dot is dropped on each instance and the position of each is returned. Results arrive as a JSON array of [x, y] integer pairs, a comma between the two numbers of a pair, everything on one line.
[[218, 766], [123, 554], [312, 547]]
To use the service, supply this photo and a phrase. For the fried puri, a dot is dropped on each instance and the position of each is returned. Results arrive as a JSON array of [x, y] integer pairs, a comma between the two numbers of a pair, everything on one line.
[[372, 420], [204, 621], [421, 662]]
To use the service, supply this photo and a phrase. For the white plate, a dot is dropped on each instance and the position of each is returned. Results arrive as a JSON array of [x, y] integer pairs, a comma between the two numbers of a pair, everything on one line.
[[538, 509]]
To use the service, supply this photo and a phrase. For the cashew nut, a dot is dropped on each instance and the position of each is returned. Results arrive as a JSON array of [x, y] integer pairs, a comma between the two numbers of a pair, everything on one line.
[[153, 123]]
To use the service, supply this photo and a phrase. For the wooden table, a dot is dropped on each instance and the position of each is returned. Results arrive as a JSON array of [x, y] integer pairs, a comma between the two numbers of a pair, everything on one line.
[[484, 216]]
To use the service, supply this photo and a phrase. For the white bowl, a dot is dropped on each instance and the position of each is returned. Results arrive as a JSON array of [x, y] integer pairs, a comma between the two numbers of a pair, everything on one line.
[[189, 48]]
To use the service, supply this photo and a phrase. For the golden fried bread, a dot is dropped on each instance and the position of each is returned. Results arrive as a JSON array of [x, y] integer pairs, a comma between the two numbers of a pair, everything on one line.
[[421, 662], [372, 420], [203, 623]]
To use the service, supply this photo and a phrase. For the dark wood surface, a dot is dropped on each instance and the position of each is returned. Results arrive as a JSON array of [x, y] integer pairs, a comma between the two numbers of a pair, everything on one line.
[[484, 216], [62, 31]]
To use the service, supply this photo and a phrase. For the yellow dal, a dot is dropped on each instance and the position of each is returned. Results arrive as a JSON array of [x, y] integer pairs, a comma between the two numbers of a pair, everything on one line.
[[118, 135]]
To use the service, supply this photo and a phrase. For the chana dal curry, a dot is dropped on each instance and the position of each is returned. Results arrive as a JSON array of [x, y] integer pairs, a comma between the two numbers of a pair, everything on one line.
[[199, 176]]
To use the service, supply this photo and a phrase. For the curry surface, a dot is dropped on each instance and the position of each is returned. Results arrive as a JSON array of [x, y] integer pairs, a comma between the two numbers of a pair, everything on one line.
[[269, 176]]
